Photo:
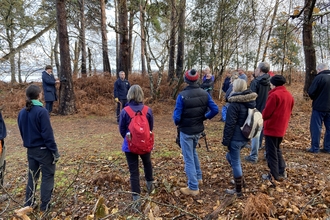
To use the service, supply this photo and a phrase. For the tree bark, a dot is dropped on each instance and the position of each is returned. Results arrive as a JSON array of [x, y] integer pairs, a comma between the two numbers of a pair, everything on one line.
[[66, 96], [106, 62], [130, 41], [83, 38], [171, 61], [123, 37], [309, 50], [181, 38], [142, 26]]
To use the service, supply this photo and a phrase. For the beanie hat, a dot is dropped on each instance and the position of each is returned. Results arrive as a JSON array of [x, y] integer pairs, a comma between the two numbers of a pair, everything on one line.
[[191, 76], [277, 80]]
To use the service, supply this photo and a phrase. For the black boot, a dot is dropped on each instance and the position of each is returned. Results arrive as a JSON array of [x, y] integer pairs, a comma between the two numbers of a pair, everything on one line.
[[238, 187]]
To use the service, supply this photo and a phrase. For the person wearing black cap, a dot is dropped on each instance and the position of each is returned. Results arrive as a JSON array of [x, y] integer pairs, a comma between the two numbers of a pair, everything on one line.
[[191, 109], [319, 93], [276, 116], [48, 84]]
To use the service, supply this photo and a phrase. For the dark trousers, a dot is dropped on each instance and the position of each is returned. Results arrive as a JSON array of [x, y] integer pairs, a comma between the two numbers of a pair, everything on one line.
[[317, 119], [274, 156], [120, 105], [49, 106], [133, 165], [40, 160]]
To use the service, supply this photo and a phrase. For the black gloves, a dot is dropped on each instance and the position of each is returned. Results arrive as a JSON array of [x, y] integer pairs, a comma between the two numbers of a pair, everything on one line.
[[56, 156]]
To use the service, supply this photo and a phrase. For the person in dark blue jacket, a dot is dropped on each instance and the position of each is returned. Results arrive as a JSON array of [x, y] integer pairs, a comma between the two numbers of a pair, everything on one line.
[[319, 92], [42, 153], [191, 110], [240, 101], [121, 88], [48, 84], [3, 134], [135, 98]]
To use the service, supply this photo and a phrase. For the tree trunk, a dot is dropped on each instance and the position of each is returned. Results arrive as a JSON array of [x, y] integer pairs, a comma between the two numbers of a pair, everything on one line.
[[171, 67], [181, 38], [82, 38], [66, 96], [19, 62], [142, 26], [123, 37], [270, 30], [309, 50], [130, 41], [106, 62], [89, 61], [56, 53], [117, 37], [76, 59]]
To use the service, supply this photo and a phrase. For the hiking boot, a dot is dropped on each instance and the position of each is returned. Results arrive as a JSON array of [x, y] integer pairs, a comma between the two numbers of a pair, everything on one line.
[[311, 150], [136, 205], [238, 187], [325, 151], [200, 182], [250, 159], [150, 186], [188, 191]]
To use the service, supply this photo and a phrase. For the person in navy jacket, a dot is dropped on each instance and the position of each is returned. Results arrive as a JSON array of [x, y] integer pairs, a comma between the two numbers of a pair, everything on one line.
[[48, 84], [135, 98], [121, 88], [319, 93], [3, 134], [42, 153]]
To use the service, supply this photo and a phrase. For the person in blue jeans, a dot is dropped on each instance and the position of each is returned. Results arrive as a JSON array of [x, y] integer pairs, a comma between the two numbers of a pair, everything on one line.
[[319, 93], [191, 109], [42, 153], [240, 101]]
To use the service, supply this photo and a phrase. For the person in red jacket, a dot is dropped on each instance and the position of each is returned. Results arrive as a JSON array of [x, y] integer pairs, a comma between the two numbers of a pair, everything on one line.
[[276, 116]]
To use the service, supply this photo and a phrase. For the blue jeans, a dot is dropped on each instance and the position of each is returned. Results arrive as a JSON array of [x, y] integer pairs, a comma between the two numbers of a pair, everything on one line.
[[255, 145], [234, 157], [317, 119], [191, 162]]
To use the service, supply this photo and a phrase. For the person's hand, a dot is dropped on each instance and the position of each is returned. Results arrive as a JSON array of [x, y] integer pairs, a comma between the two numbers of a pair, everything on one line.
[[57, 81], [116, 99], [56, 156]]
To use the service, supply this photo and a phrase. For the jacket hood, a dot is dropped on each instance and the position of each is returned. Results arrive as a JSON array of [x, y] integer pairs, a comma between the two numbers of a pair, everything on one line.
[[325, 72], [247, 97], [264, 79]]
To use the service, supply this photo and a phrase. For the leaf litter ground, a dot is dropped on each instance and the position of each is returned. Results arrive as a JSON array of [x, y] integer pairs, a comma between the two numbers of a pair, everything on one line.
[[92, 165]]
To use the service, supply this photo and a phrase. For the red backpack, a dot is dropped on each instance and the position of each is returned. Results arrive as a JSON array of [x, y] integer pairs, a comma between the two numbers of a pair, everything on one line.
[[141, 139]]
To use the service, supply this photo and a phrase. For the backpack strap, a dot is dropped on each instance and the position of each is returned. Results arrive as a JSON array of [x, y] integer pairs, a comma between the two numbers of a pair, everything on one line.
[[131, 113]]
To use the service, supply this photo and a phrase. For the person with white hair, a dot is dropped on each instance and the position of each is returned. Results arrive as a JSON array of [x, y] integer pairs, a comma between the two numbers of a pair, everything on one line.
[[319, 93]]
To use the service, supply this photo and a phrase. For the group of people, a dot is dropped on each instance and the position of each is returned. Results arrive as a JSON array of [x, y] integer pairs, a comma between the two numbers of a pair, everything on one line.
[[193, 106]]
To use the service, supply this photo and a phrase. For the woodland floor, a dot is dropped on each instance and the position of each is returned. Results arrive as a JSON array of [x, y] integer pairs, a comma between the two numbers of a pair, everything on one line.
[[92, 165]]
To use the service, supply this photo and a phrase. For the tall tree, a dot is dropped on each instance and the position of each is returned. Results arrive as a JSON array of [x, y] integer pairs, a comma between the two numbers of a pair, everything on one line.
[[82, 38], [123, 37], [171, 61], [106, 62], [67, 98], [142, 28], [181, 38], [309, 50]]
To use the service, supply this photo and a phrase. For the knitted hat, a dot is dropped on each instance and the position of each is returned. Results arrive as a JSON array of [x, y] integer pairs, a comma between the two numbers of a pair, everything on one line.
[[191, 76], [277, 80]]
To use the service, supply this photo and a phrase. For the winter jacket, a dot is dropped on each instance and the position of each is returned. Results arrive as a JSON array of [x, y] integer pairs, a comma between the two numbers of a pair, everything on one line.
[[261, 86], [121, 88], [319, 92], [237, 113], [226, 84], [48, 84], [207, 84], [191, 109], [125, 119], [3, 130], [35, 128], [277, 112]]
